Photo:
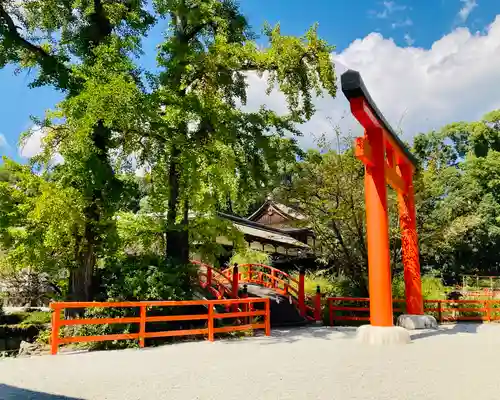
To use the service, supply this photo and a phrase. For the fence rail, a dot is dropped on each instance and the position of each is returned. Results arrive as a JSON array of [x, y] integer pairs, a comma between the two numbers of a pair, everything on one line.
[[247, 310], [443, 310]]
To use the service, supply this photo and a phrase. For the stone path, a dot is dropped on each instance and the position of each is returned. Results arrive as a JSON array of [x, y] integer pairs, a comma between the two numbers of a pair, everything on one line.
[[456, 362]]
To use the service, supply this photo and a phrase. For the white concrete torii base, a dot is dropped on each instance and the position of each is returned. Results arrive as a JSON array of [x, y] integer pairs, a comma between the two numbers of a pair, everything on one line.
[[395, 334], [382, 335]]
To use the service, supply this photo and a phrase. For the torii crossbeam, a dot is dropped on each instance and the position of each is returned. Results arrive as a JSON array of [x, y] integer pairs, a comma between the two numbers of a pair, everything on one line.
[[387, 161]]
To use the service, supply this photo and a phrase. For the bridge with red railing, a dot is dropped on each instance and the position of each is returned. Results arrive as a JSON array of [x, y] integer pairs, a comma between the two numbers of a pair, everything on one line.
[[245, 279], [246, 297]]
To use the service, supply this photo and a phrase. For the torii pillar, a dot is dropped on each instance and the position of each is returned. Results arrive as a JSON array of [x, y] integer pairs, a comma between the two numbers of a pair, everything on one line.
[[387, 161]]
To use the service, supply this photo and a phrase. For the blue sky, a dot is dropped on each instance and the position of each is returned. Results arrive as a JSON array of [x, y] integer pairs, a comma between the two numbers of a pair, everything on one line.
[[395, 32]]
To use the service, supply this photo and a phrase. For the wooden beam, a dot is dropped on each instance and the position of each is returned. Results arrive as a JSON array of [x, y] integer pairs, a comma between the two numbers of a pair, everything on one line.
[[394, 179], [363, 151]]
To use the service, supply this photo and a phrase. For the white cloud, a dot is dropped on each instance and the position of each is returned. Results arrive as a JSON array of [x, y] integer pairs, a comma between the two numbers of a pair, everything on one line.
[[3, 142], [402, 23], [409, 40], [388, 8], [465, 11], [33, 145], [416, 89]]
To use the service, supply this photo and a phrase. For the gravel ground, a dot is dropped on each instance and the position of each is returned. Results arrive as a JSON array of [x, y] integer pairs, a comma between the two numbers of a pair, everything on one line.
[[455, 362]]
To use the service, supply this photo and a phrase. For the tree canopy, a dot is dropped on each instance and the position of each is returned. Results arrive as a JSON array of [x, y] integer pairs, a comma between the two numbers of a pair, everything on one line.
[[186, 123]]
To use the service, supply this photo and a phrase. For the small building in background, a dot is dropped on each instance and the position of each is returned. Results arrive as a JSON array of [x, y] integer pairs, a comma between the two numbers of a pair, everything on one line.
[[280, 231]]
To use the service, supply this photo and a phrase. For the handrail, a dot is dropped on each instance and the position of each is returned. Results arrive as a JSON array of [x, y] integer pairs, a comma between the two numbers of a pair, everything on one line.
[[280, 281], [444, 310], [213, 275], [272, 269], [247, 275], [210, 330]]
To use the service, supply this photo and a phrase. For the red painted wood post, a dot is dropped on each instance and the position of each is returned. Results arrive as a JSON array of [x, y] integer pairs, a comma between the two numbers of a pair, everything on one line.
[[210, 322], [249, 279], [409, 244], [273, 278], [236, 286], [209, 275], [142, 327], [302, 294], [268, 317], [330, 311], [246, 306], [488, 310], [54, 337], [317, 305]]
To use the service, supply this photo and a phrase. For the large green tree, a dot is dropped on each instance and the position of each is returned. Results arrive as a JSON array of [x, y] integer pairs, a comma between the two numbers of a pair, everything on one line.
[[83, 49], [457, 197], [206, 149]]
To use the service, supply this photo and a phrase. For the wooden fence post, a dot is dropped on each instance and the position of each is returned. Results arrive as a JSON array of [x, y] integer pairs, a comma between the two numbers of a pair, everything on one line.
[[210, 322], [317, 305], [236, 287], [54, 337], [209, 275], [440, 312], [142, 326], [246, 306], [488, 310], [330, 311], [268, 317], [302, 294]]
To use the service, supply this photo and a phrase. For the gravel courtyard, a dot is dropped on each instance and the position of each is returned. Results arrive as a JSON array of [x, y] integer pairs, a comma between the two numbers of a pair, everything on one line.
[[456, 362]]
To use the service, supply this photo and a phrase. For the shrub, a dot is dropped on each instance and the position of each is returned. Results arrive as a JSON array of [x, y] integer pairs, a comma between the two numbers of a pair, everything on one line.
[[36, 318], [145, 277], [249, 256], [331, 285], [136, 278], [433, 287]]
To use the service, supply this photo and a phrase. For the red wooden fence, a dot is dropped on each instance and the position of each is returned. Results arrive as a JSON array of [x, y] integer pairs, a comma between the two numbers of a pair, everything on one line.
[[443, 310], [247, 311]]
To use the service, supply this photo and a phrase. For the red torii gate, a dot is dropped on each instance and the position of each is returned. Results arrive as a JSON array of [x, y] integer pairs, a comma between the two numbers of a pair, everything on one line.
[[387, 161]]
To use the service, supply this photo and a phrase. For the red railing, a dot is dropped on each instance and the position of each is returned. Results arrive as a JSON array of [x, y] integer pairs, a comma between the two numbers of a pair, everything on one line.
[[248, 311], [443, 310], [215, 281], [279, 281]]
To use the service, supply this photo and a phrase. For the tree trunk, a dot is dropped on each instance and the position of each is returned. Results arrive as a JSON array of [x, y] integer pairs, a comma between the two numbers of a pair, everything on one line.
[[81, 277], [177, 249]]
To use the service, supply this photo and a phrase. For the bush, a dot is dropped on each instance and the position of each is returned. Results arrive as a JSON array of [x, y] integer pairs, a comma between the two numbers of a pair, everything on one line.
[[433, 287], [36, 318], [331, 285], [136, 278], [250, 256]]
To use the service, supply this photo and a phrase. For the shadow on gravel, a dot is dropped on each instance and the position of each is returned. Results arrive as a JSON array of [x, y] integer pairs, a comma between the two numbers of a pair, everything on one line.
[[8, 392], [455, 329], [293, 335]]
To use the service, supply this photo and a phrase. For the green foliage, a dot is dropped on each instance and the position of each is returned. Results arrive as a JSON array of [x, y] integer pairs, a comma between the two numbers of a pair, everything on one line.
[[26, 318], [328, 188], [331, 285], [246, 255], [36, 318], [211, 148], [433, 287], [145, 277], [458, 201]]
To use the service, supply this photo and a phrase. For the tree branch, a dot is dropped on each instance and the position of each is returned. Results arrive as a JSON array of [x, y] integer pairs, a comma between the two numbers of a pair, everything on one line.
[[47, 62]]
